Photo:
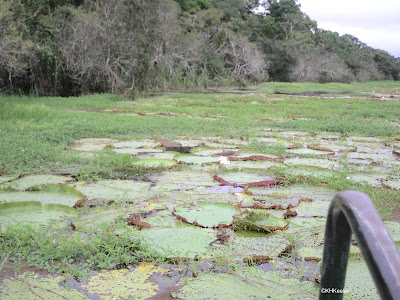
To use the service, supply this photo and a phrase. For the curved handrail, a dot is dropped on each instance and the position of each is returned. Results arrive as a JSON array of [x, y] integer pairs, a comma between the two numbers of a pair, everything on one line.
[[353, 211]]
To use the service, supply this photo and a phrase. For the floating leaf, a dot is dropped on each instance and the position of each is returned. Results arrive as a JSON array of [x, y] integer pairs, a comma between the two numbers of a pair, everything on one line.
[[260, 221], [246, 179], [32, 213], [115, 190], [206, 214], [154, 163], [309, 151], [91, 144], [46, 194], [29, 181], [197, 160], [29, 286], [359, 282], [233, 286], [313, 209], [184, 242]]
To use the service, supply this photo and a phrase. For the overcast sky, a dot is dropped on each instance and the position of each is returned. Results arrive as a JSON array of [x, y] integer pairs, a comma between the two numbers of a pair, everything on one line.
[[376, 23]]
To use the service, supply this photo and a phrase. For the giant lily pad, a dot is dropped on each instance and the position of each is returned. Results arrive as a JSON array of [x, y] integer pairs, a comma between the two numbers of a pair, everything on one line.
[[29, 181], [206, 214], [359, 283], [310, 151], [96, 218], [313, 209], [32, 213], [224, 286], [91, 144], [115, 190], [184, 242], [154, 163], [260, 221], [181, 180], [197, 160], [47, 194], [246, 179], [28, 286]]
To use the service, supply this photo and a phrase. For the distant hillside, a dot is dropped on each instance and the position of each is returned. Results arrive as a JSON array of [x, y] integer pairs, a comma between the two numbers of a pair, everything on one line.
[[70, 47]]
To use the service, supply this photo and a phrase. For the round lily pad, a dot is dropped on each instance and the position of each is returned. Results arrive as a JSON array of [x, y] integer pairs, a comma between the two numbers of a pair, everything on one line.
[[246, 179], [207, 214], [28, 286], [260, 221], [309, 151], [32, 213], [183, 242], [115, 190], [154, 163], [91, 144], [47, 194], [197, 160], [29, 181]]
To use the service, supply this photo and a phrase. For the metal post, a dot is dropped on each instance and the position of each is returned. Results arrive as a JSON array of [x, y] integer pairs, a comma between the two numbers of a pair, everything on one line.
[[353, 211]]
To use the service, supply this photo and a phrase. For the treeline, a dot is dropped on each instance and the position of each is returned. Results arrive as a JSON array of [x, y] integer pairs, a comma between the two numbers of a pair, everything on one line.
[[70, 47]]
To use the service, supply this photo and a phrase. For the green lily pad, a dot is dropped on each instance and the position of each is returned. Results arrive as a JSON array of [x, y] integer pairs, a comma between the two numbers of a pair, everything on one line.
[[91, 144], [124, 284], [224, 286], [154, 163], [245, 178], [206, 214], [393, 183], [294, 192], [4, 179], [181, 180], [246, 245], [309, 151], [115, 190], [197, 160], [260, 221], [393, 228], [359, 283], [29, 181], [47, 194], [184, 242], [313, 209], [95, 218], [32, 213], [314, 162], [367, 178], [136, 151], [135, 144], [28, 286], [251, 165]]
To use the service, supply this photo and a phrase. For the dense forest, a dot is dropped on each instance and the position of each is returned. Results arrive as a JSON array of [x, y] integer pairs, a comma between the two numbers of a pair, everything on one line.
[[73, 47]]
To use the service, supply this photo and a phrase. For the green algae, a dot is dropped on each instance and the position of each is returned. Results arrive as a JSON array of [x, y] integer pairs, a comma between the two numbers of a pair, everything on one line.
[[207, 214], [124, 284]]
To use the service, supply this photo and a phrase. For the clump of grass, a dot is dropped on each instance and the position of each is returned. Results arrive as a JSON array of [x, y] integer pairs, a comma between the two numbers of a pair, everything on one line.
[[66, 251]]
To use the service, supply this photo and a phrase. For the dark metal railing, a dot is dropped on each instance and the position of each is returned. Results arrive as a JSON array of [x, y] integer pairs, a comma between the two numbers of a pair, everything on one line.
[[353, 212]]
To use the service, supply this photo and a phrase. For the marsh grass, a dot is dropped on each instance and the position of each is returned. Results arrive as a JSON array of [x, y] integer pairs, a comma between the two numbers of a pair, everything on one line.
[[35, 133]]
